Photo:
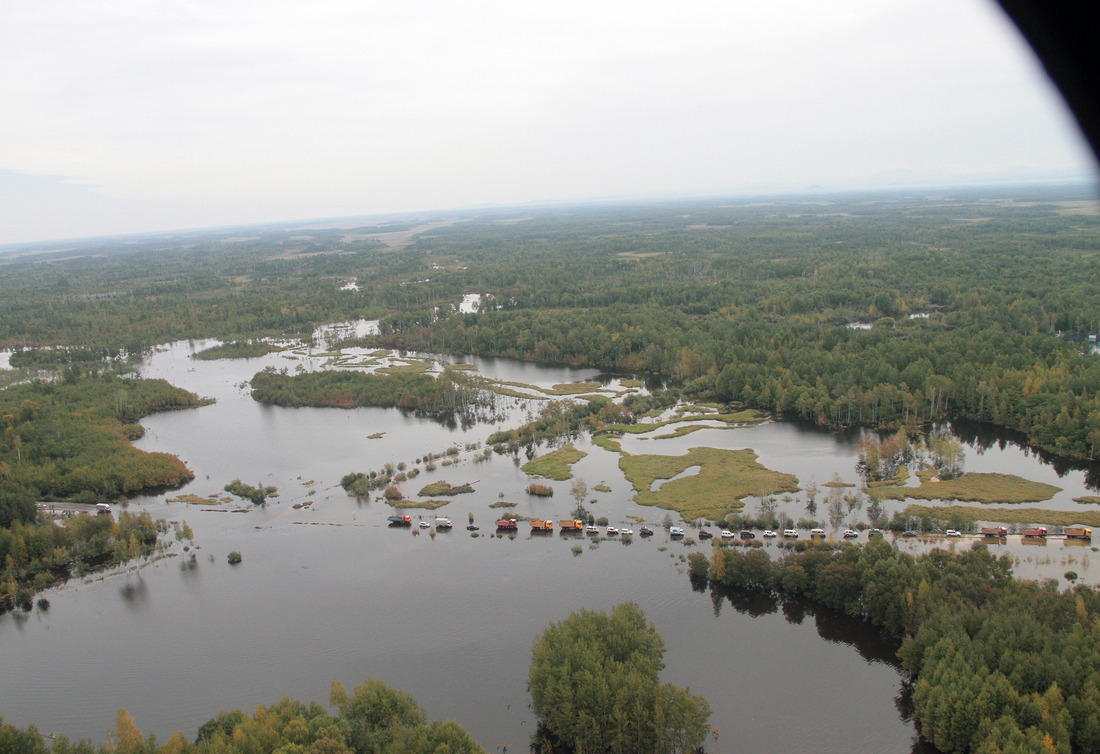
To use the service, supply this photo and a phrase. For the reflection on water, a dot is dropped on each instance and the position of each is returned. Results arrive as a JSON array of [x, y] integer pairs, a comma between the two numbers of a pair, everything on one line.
[[134, 592], [451, 619], [982, 437]]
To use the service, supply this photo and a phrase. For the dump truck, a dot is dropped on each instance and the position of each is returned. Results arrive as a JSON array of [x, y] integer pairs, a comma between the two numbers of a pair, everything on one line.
[[507, 523], [1078, 532], [571, 525], [545, 526], [994, 531], [1035, 532]]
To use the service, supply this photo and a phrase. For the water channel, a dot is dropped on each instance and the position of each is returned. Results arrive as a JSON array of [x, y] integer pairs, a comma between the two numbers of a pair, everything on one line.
[[330, 592]]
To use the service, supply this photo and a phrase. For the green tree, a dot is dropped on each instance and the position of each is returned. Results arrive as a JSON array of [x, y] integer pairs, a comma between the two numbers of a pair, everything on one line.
[[594, 687], [377, 718]]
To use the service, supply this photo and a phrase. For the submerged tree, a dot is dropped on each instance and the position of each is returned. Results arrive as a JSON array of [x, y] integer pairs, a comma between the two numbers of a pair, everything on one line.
[[594, 686], [946, 455]]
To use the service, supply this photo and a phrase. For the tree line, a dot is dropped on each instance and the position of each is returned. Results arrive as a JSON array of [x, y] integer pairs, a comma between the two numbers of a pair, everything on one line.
[[999, 664], [373, 718], [978, 301], [39, 554], [441, 397], [594, 681], [71, 439]]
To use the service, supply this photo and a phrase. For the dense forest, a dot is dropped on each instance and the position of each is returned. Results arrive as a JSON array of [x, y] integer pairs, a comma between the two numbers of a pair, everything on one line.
[[441, 397], [1000, 665], [37, 555], [891, 311], [595, 686], [879, 310], [71, 439]]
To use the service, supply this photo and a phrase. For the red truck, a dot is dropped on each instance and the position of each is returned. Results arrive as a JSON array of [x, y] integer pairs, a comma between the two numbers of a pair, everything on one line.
[[994, 531], [1035, 532], [509, 524]]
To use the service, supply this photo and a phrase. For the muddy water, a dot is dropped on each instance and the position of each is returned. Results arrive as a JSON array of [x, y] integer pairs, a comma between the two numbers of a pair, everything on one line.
[[329, 592]]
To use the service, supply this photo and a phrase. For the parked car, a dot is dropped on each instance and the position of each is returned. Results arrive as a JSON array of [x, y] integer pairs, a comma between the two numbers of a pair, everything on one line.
[[769, 534], [746, 534], [850, 534], [952, 533]]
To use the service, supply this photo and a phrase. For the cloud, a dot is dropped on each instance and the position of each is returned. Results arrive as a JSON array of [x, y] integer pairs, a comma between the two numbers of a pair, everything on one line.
[[208, 113]]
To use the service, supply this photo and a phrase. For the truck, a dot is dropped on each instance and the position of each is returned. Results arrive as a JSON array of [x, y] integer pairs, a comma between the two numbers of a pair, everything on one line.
[[542, 526], [1078, 532], [571, 525], [509, 524], [994, 531], [1035, 532]]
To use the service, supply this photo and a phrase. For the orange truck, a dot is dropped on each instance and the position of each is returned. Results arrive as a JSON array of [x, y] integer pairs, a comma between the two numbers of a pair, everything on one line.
[[1078, 532], [538, 525], [571, 525]]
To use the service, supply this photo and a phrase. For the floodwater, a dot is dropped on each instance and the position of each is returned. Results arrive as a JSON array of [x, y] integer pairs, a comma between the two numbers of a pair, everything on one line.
[[330, 592]]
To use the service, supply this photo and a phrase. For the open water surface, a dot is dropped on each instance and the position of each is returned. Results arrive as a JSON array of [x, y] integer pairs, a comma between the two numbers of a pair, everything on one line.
[[330, 592]]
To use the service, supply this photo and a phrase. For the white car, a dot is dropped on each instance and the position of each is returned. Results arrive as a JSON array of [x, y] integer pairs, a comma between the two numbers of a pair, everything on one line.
[[612, 531], [769, 534], [952, 533], [790, 533], [850, 534], [626, 532], [726, 534]]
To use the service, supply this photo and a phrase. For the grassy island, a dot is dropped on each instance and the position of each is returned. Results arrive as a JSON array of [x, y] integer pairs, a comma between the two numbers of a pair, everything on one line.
[[237, 349], [973, 488], [724, 478], [556, 464]]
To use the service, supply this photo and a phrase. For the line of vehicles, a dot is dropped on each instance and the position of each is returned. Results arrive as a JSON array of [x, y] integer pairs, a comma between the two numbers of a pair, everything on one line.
[[1037, 532], [576, 526]]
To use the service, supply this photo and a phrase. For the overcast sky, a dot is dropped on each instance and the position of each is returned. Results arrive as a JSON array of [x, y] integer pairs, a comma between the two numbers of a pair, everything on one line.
[[129, 115]]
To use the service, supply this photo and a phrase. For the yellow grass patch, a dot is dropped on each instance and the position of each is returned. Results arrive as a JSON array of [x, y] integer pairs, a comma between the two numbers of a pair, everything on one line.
[[199, 500], [1008, 515], [426, 504], [555, 465], [975, 488], [575, 388], [724, 478]]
